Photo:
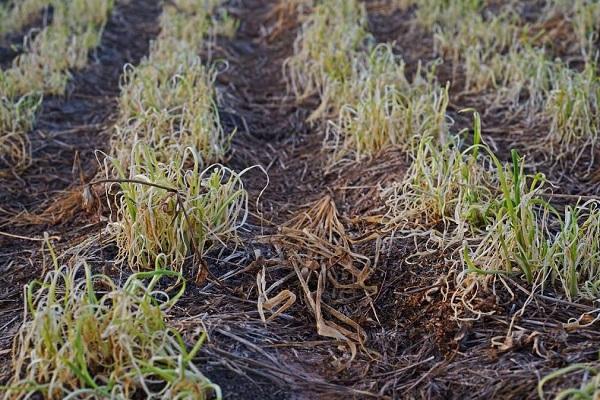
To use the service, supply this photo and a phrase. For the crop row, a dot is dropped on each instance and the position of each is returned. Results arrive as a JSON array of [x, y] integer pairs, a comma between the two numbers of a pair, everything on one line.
[[44, 68], [85, 336], [496, 219]]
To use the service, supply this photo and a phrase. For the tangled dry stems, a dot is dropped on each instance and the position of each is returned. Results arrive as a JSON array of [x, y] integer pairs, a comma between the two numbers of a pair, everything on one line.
[[176, 210], [318, 252]]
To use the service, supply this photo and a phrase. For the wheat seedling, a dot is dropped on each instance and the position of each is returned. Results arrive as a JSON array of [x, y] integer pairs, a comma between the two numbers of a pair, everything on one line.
[[85, 337], [16, 119], [583, 17], [170, 106], [330, 38], [387, 109], [575, 256], [174, 210], [168, 100], [44, 67], [17, 14], [446, 188], [573, 108], [446, 13]]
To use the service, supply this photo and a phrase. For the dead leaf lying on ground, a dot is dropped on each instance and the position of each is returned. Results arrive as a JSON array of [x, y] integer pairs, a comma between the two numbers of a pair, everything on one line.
[[317, 251]]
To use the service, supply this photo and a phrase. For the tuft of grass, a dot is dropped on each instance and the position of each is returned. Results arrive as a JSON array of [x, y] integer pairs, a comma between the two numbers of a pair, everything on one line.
[[175, 210], [445, 13], [365, 97], [387, 109], [44, 69], [573, 108], [168, 100], [16, 119], [169, 206], [584, 18], [17, 14], [169, 105], [324, 51], [497, 216], [574, 262], [85, 337], [444, 185], [517, 237], [64, 45]]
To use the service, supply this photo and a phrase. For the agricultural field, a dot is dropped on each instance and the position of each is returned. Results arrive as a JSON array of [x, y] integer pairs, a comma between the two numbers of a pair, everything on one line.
[[300, 199]]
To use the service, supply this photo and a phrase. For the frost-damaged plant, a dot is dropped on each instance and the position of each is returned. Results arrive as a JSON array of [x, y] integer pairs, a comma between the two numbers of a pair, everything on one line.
[[500, 214], [446, 12], [168, 100], [44, 69], [65, 44], [320, 253], [16, 119], [528, 236], [518, 234], [476, 38], [574, 262], [583, 16], [169, 104], [444, 184], [196, 22], [329, 40], [16, 14], [523, 77], [574, 111], [174, 210], [387, 109], [85, 337]]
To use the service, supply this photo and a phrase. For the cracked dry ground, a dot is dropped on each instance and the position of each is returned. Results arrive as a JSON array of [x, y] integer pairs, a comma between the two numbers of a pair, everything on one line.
[[412, 346]]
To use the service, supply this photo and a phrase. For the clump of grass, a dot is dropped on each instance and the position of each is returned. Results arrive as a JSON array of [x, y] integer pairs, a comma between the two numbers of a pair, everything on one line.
[[583, 17], [85, 337], [524, 77], [324, 51], [498, 216], [444, 185], [170, 207], [65, 44], [388, 109], [16, 119], [528, 235], [366, 99], [446, 13], [169, 105], [517, 236], [574, 111], [175, 210], [498, 53], [44, 68], [196, 22], [477, 35], [575, 258], [17, 14], [168, 100]]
